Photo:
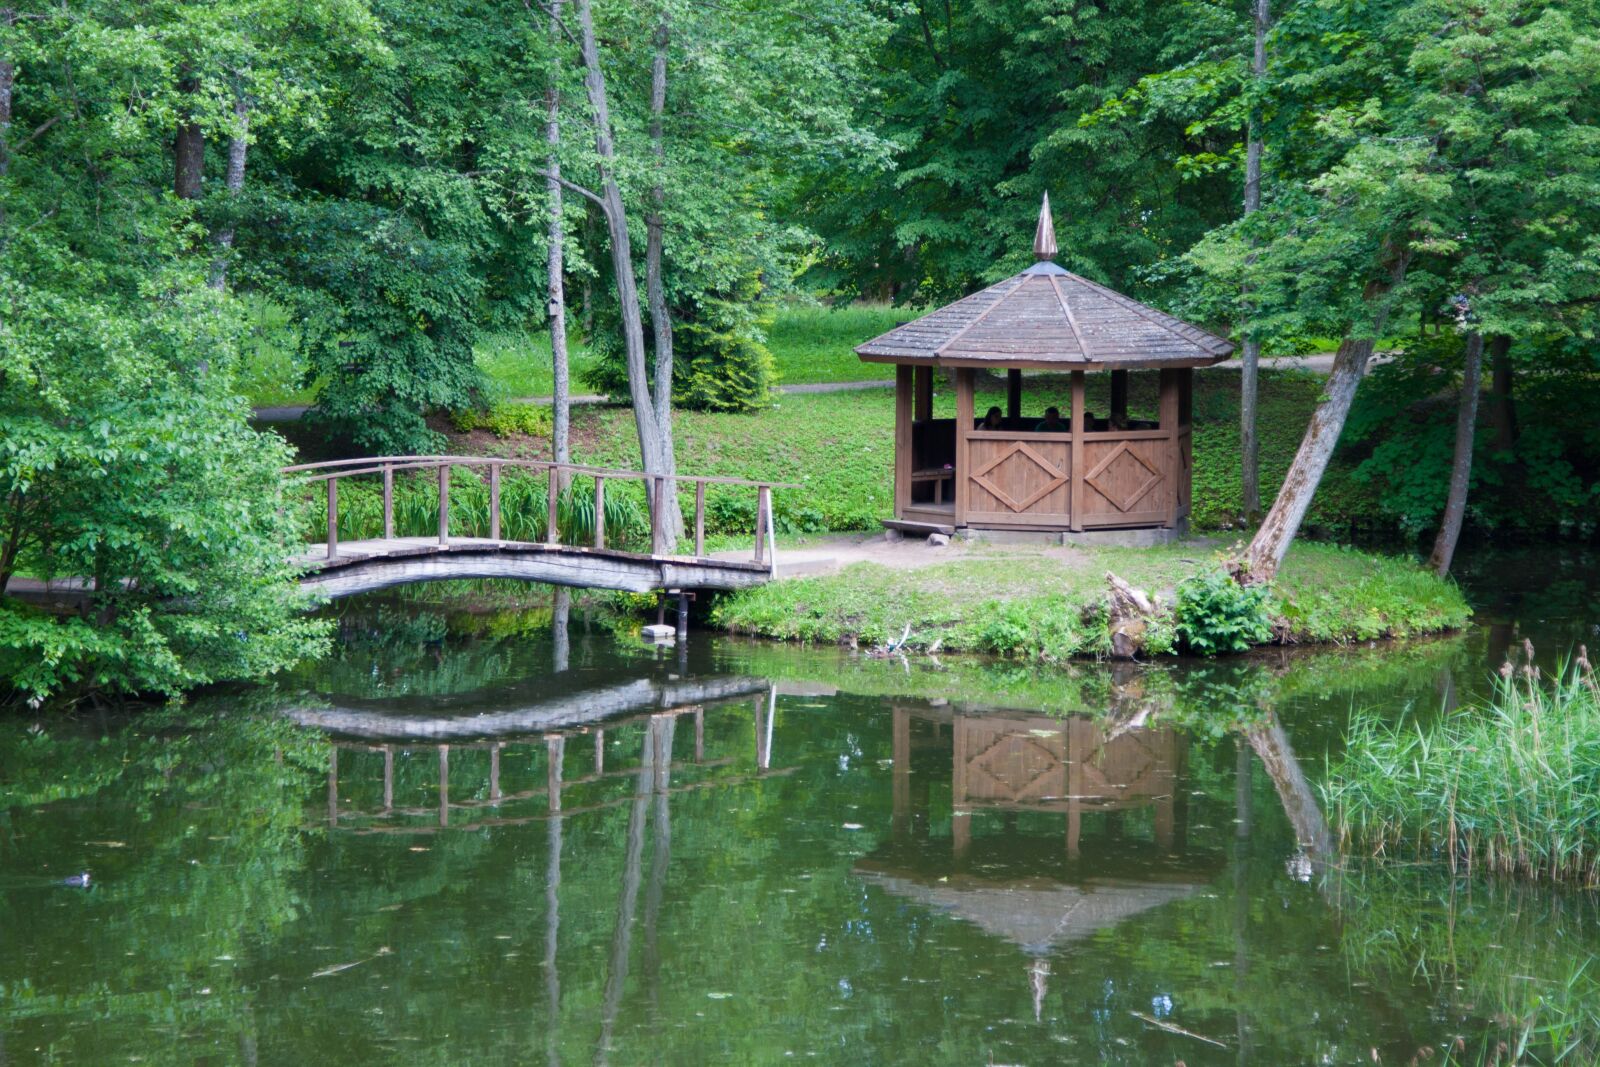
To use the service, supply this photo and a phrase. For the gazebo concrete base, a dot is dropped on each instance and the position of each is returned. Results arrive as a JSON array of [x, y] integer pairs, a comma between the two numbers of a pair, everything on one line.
[[1144, 537]]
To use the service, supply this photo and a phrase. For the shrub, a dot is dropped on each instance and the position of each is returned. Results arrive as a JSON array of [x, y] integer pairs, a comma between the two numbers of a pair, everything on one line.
[[503, 418], [1216, 614]]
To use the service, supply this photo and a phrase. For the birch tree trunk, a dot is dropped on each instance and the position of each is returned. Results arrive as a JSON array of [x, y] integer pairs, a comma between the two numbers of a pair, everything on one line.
[[556, 304], [651, 438], [1455, 508], [238, 146], [1277, 531], [1249, 375], [655, 286]]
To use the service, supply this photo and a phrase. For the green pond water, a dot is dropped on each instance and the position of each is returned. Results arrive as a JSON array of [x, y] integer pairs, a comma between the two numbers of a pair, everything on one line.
[[484, 837]]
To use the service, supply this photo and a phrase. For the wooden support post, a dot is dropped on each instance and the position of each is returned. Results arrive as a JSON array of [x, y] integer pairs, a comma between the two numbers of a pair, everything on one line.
[[964, 389], [444, 503], [900, 820], [554, 749], [494, 501], [444, 785], [494, 771], [552, 520], [922, 407], [1119, 397], [1014, 393], [699, 520], [763, 504], [333, 779], [388, 501], [902, 439], [1169, 426], [599, 512], [699, 734], [333, 517], [599, 752], [388, 778], [1077, 451]]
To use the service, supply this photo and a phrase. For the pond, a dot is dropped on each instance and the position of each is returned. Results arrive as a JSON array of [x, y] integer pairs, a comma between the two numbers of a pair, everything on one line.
[[489, 837]]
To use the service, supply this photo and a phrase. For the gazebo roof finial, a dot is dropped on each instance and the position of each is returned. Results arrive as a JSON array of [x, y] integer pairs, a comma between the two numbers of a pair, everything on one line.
[[1044, 238]]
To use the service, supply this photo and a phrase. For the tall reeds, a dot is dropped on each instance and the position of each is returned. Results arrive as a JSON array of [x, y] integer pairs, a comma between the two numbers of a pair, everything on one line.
[[1510, 788]]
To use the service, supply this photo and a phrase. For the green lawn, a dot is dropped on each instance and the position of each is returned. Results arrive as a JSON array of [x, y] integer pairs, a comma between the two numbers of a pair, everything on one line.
[[810, 343], [1032, 603]]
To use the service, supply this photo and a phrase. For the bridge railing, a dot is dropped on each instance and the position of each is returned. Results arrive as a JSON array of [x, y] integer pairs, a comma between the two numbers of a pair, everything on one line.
[[656, 488]]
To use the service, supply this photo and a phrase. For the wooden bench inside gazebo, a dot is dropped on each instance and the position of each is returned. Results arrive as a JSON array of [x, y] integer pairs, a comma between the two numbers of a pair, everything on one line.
[[1021, 471]]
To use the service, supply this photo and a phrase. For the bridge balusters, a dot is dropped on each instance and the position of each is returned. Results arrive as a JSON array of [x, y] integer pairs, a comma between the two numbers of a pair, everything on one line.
[[599, 512], [388, 501], [333, 517], [657, 501], [699, 518], [763, 517], [444, 503], [494, 501], [552, 527]]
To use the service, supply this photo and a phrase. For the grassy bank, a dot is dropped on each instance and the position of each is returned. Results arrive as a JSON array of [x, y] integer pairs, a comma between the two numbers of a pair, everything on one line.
[[1512, 787], [1045, 605]]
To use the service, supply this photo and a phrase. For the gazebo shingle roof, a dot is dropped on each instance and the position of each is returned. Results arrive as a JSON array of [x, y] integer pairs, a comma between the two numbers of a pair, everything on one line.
[[1048, 316]]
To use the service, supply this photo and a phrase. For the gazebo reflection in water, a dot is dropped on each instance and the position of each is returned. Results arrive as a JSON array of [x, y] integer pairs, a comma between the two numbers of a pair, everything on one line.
[[1115, 791]]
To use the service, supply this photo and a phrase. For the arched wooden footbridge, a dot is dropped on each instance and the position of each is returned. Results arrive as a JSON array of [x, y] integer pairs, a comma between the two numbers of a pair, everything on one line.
[[343, 567]]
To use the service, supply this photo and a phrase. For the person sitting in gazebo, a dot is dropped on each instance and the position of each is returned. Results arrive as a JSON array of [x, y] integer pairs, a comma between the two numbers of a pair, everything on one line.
[[992, 420], [1051, 423]]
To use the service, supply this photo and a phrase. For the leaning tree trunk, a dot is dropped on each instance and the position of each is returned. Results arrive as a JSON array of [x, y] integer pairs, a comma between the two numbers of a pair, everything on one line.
[[561, 399], [1249, 444], [1455, 508], [1278, 529], [655, 286], [651, 450], [238, 146]]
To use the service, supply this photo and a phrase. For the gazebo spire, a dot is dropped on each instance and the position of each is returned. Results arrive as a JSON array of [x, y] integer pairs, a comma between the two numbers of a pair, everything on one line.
[[1044, 238]]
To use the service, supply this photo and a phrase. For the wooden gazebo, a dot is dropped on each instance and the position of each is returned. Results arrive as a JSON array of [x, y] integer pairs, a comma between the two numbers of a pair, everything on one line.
[[1022, 471]]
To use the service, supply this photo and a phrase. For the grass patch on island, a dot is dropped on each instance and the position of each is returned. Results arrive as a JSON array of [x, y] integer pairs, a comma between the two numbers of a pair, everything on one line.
[[1049, 606]]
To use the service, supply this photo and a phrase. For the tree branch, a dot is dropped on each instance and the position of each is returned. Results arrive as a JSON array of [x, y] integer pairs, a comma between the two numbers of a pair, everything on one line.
[[587, 194]]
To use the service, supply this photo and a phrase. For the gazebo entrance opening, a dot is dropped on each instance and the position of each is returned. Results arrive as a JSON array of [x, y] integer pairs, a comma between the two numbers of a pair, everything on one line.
[[1044, 457]]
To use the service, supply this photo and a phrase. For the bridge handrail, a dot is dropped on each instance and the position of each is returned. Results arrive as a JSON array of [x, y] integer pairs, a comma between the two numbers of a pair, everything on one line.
[[332, 471]]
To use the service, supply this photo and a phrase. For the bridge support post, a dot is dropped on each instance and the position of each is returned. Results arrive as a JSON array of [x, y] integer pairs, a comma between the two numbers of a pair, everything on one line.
[[683, 615]]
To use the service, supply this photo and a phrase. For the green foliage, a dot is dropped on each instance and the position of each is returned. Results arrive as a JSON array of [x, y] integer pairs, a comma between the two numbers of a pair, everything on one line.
[[1509, 788], [505, 418], [724, 364], [1216, 614]]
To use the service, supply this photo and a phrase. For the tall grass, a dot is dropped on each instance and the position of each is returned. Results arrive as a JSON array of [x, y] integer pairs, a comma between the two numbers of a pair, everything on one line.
[[1510, 788], [524, 509]]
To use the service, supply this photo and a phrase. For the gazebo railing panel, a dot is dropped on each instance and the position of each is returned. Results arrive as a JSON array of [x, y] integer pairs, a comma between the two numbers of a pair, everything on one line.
[[1126, 481]]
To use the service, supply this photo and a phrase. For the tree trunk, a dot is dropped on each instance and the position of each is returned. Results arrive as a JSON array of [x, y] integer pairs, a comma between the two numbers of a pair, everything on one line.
[[560, 447], [1278, 529], [655, 286], [1249, 445], [1455, 508], [8, 74], [188, 149], [650, 436], [1502, 405], [238, 146]]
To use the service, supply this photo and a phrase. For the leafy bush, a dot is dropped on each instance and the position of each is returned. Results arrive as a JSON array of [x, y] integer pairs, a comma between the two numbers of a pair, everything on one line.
[[1216, 614], [504, 418]]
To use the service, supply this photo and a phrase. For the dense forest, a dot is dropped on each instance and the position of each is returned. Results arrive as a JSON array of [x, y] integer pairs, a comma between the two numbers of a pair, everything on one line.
[[382, 185]]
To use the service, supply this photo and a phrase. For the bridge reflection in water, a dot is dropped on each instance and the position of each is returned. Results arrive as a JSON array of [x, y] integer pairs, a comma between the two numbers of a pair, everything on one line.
[[1112, 786]]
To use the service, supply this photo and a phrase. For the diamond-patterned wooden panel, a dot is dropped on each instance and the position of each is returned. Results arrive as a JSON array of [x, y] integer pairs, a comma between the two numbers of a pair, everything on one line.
[[1006, 480], [1123, 478]]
